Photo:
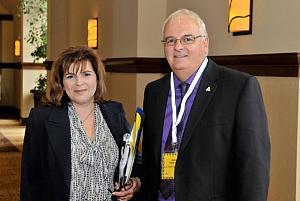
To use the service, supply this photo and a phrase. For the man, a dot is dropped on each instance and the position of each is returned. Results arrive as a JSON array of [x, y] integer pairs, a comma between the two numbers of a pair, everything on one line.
[[214, 145]]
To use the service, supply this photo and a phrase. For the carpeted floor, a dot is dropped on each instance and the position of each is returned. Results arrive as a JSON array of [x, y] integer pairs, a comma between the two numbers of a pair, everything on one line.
[[6, 145], [11, 139], [10, 163]]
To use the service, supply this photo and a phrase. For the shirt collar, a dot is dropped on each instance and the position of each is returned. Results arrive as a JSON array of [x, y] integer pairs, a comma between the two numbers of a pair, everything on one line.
[[177, 82]]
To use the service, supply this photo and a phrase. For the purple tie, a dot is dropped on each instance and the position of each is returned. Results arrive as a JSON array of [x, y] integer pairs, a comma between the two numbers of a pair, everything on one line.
[[167, 185]]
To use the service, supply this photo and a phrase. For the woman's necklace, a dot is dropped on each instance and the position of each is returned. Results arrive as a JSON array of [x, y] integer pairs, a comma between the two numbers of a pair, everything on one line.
[[88, 115]]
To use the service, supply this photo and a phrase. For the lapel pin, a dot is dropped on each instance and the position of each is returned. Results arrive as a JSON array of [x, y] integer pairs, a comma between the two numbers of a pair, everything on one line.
[[207, 89]]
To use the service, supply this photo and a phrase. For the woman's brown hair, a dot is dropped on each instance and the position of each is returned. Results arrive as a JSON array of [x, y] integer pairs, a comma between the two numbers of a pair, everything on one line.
[[77, 56]]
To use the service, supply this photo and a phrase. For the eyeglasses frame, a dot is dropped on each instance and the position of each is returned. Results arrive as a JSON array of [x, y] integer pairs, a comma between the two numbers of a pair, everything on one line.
[[164, 41]]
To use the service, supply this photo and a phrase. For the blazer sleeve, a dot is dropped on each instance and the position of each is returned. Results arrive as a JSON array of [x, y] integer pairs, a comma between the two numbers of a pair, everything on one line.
[[32, 156], [252, 146]]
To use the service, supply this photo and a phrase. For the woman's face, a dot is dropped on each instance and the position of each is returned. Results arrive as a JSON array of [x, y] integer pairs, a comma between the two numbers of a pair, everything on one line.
[[80, 83]]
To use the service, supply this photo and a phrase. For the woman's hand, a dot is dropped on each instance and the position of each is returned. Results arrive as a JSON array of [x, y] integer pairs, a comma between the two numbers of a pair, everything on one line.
[[127, 192]]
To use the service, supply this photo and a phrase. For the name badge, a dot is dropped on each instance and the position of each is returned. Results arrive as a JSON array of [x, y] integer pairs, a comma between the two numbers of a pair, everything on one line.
[[168, 165]]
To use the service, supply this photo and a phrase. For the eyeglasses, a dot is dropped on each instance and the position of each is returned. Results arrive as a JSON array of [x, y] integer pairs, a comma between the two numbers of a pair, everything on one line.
[[184, 40]]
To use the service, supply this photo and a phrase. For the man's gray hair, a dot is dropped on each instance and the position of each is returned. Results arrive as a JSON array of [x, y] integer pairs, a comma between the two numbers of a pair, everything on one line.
[[195, 16]]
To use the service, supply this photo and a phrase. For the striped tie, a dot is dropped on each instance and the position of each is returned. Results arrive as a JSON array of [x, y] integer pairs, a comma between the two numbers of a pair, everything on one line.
[[167, 185]]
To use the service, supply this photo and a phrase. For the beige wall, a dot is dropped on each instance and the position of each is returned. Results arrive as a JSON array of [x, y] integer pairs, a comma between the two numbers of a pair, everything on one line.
[[122, 87], [281, 102], [7, 86], [149, 27], [7, 55], [10, 30], [125, 14], [11, 79], [4, 31], [3, 10], [7, 41], [117, 26], [142, 79], [128, 88], [298, 151], [29, 76], [57, 27], [17, 89], [133, 28]]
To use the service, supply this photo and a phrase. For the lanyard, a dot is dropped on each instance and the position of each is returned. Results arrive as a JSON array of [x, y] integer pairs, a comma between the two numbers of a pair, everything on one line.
[[176, 120]]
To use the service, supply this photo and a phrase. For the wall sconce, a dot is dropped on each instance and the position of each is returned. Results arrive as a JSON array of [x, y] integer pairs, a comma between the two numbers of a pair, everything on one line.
[[240, 17], [93, 33], [17, 48]]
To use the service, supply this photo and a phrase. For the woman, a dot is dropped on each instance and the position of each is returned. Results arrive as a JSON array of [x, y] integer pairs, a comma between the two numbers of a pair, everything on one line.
[[71, 147]]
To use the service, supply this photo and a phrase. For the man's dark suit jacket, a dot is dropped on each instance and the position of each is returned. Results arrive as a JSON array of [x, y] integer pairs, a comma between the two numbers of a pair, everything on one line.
[[46, 161], [225, 150]]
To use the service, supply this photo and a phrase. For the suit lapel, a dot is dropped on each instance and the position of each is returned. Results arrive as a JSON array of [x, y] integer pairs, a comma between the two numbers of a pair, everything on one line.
[[58, 129], [160, 107], [204, 94]]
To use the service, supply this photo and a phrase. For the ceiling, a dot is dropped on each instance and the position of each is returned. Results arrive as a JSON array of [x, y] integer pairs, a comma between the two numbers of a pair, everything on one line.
[[10, 5]]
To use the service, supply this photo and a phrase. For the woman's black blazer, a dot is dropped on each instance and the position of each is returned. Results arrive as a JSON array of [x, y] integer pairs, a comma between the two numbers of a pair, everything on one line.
[[46, 160]]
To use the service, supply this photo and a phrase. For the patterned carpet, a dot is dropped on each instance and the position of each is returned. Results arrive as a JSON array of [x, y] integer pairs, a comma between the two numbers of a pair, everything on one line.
[[11, 139]]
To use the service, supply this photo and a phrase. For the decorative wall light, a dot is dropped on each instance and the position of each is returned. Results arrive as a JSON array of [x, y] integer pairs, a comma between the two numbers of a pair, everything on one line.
[[17, 48], [240, 17], [93, 33]]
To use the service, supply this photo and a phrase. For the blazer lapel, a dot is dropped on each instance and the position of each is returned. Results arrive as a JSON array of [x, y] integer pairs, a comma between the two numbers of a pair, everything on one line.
[[160, 108], [114, 126], [59, 135], [204, 94]]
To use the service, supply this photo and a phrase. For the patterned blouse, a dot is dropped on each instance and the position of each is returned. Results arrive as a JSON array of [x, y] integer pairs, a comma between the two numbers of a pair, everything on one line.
[[93, 163]]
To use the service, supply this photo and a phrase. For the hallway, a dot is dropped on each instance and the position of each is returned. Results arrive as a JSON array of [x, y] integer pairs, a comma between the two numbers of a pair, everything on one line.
[[11, 140]]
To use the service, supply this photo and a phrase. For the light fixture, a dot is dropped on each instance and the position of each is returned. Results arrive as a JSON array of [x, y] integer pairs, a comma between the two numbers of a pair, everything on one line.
[[93, 33], [17, 48], [240, 17]]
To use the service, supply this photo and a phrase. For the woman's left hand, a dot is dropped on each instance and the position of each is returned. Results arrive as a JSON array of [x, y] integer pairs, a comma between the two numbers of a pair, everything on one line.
[[128, 191]]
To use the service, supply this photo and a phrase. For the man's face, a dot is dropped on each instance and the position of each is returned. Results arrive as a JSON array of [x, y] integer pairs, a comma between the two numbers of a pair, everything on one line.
[[185, 59]]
